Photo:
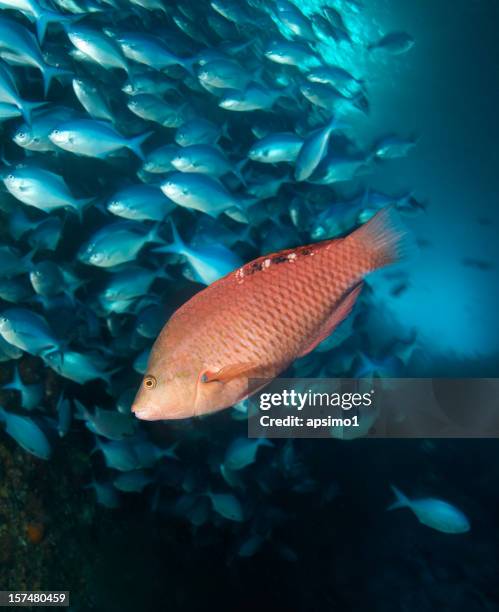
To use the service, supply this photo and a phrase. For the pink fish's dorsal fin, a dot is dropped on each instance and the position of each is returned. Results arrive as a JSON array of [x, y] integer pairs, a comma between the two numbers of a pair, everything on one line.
[[340, 313], [228, 372]]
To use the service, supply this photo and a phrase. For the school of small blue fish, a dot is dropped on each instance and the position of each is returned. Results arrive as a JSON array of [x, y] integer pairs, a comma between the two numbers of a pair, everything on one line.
[[150, 147]]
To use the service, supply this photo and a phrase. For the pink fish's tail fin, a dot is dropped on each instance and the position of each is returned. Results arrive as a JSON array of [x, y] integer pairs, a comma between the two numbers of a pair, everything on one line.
[[383, 240]]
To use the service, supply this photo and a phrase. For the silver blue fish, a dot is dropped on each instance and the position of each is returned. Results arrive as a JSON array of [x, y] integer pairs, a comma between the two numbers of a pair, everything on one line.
[[140, 203], [28, 331], [93, 138], [336, 76], [434, 513], [148, 454], [31, 395], [106, 423], [118, 454], [9, 111], [49, 279], [277, 147], [8, 351], [151, 107], [159, 161], [46, 235], [18, 45], [150, 50], [209, 262], [223, 74], [34, 135], [105, 494], [200, 192], [292, 53], [395, 43], [41, 16], [243, 451], [12, 263], [15, 290], [392, 147], [227, 506], [42, 189], [205, 159], [10, 97], [197, 131], [79, 367], [140, 362], [314, 150], [150, 321], [132, 482], [26, 433], [117, 243], [297, 23], [253, 97], [126, 286], [148, 82], [97, 46], [92, 99]]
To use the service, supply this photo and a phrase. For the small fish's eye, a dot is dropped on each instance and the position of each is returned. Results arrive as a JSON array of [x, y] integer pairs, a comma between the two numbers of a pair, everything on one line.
[[149, 382]]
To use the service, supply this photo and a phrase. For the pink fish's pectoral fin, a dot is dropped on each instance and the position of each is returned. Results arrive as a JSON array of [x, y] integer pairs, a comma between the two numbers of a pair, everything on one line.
[[228, 372], [340, 313]]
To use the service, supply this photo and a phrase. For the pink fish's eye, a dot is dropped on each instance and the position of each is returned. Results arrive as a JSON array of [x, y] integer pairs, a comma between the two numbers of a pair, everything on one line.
[[150, 382]]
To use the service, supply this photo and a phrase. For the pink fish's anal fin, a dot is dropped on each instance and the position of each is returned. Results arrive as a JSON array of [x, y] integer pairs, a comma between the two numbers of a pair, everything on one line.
[[340, 313]]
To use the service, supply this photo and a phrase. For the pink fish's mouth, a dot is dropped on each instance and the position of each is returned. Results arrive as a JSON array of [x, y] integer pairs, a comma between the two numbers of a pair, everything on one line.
[[143, 414]]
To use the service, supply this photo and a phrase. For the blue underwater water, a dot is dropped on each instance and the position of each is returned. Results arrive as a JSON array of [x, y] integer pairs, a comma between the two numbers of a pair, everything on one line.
[[136, 169]]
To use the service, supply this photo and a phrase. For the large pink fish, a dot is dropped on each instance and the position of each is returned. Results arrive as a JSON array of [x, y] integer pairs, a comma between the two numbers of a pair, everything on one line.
[[257, 320]]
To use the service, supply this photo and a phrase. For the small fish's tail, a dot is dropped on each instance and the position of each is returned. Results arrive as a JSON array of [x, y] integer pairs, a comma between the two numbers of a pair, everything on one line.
[[154, 235], [42, 23], [80, 412], [178, 243], [239, 212], [28, 259], [382, 241], [47, 17], [79, 206], [336, 124], [170, 452], [51, 72], [107, 376], [401, 501], [97, 446], [188, 64], [178, 246], [27, 109], [237, 171], [135, 144]]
